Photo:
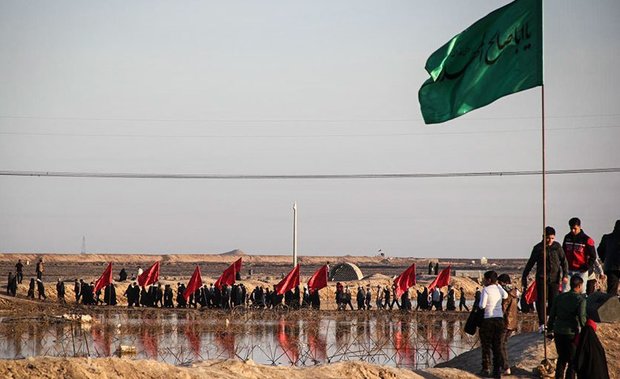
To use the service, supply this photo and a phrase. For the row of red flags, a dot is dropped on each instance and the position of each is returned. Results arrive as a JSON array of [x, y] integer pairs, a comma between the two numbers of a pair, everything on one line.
[[318, 280]]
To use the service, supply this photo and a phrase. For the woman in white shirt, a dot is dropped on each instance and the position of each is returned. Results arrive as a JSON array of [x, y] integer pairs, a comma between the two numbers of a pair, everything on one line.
[[492, 328]]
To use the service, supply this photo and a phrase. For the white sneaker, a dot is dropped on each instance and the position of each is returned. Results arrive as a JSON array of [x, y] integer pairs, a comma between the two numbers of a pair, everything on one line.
[[541, 329], [507, 372]]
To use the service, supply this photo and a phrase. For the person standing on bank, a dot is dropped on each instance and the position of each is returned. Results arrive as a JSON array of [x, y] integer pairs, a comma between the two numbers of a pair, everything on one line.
[[557, 271], [60, 290], [19, 269], [492, 328], [567, 316], [40, 269], [609, 252], [579, 251]]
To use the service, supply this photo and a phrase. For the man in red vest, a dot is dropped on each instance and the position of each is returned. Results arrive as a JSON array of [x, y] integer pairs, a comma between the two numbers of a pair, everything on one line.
[[580, 252]]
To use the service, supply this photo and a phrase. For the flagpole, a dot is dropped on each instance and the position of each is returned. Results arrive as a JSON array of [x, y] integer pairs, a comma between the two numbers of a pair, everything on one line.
[[544, 182], [294, 234], [544, 220]]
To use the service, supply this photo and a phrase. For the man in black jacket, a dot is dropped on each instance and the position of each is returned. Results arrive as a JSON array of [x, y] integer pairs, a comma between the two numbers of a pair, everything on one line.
[[557, 270], [609, 252]]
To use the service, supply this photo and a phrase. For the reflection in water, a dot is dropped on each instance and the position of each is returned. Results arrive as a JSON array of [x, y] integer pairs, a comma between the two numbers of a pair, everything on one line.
[[303, 338]]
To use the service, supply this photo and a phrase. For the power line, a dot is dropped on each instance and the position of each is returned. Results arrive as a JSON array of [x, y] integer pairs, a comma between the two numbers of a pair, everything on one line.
[[443, 133], [281, 120], [62, 174]]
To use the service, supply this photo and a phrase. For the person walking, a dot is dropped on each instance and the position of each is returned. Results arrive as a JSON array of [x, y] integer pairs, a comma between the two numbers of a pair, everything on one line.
[[557, 272], [40, 269], [567, 317], [579, 251], [451, 302], [462, 301], [31, 288], [379, 297], [492, 328], [41, 289], [609, 252]]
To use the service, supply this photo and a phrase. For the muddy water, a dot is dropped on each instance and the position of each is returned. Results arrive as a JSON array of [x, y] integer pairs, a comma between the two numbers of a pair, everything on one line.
[[415, 340]]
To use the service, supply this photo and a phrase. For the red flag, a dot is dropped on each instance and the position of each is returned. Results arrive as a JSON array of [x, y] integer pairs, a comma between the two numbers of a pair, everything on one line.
[[151, 275], [195, 282], [229, 275], [405, 280], [442, 280], [289, 282], [318, 280], [105, 279], [531, 294], [238, 265]]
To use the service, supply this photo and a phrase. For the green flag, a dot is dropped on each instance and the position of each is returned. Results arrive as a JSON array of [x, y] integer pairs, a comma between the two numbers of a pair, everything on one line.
[[498, 55]]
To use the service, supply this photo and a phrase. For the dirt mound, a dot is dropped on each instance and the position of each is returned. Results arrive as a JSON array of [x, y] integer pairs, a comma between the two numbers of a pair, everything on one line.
[[85, 368], [526, 351], [377, 277], [235, 253]]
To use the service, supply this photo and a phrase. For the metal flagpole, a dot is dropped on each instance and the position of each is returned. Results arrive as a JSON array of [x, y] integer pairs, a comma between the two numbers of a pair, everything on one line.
[[294, 234], [544, 182], [544, 220]]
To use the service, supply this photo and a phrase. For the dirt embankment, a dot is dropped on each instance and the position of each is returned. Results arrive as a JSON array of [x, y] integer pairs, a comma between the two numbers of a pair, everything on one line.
[[526, 351], [112, 368]]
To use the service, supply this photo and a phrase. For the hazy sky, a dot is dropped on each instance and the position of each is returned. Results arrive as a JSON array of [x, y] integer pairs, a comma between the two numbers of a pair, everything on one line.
[[282, 87]]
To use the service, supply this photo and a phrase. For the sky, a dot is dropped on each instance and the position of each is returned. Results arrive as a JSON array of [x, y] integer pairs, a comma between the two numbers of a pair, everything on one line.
[[292, 88]]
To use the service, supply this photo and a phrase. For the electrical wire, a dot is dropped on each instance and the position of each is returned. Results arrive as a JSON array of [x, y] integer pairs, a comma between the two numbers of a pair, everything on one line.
[[62, 174]]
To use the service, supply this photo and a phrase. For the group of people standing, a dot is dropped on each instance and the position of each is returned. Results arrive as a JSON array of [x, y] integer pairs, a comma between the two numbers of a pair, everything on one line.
[[570, 274], [565, 275]]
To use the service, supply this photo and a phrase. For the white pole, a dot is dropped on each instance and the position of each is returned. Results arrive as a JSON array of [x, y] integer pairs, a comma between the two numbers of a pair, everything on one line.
[[294, 234]]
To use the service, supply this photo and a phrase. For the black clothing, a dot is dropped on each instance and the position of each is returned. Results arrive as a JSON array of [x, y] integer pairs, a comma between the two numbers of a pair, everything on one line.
[[477, 300], [463, 301], [491, 339], [168, 295], [451, 303], [361, 296], [19, 267], [553, 290], [31, 289], [181, 303], [60, 290], [566, 354], [122, 276], [77, 289], [590, 360], [557, 266], [609, 252], [613, 277], [132, 293], [109, 296], [41, 290]]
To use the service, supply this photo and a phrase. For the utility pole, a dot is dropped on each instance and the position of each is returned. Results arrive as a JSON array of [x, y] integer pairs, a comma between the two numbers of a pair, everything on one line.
[[83, 245], [294, 234]]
